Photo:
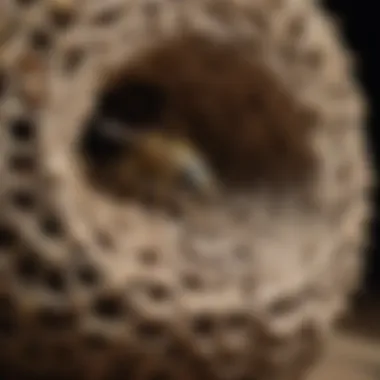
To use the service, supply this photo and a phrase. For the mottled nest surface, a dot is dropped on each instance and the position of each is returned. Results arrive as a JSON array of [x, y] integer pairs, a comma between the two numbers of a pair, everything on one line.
[[95, 287]]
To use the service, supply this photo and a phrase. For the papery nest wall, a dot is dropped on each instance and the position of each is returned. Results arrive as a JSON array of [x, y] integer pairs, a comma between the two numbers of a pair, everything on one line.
[[97, 284]]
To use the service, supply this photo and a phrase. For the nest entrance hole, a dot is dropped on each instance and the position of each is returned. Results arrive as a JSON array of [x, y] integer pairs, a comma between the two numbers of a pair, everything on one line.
[[230, 107]]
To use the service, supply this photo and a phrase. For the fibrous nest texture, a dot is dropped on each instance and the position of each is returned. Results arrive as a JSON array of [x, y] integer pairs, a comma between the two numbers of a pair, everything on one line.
[[93, 286]]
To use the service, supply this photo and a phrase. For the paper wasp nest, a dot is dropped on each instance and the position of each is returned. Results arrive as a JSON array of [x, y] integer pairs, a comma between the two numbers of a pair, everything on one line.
[[95, 285]]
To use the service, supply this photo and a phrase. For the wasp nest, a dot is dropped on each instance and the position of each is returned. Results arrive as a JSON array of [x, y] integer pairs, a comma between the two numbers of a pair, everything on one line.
[[97, 286]]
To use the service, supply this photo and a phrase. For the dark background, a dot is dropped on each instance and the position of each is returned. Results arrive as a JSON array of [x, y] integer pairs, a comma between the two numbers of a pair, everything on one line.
[[361, 26]]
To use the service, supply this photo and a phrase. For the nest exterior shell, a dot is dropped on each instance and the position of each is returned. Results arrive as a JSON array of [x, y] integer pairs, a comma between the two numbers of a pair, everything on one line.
[[91, 289]]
